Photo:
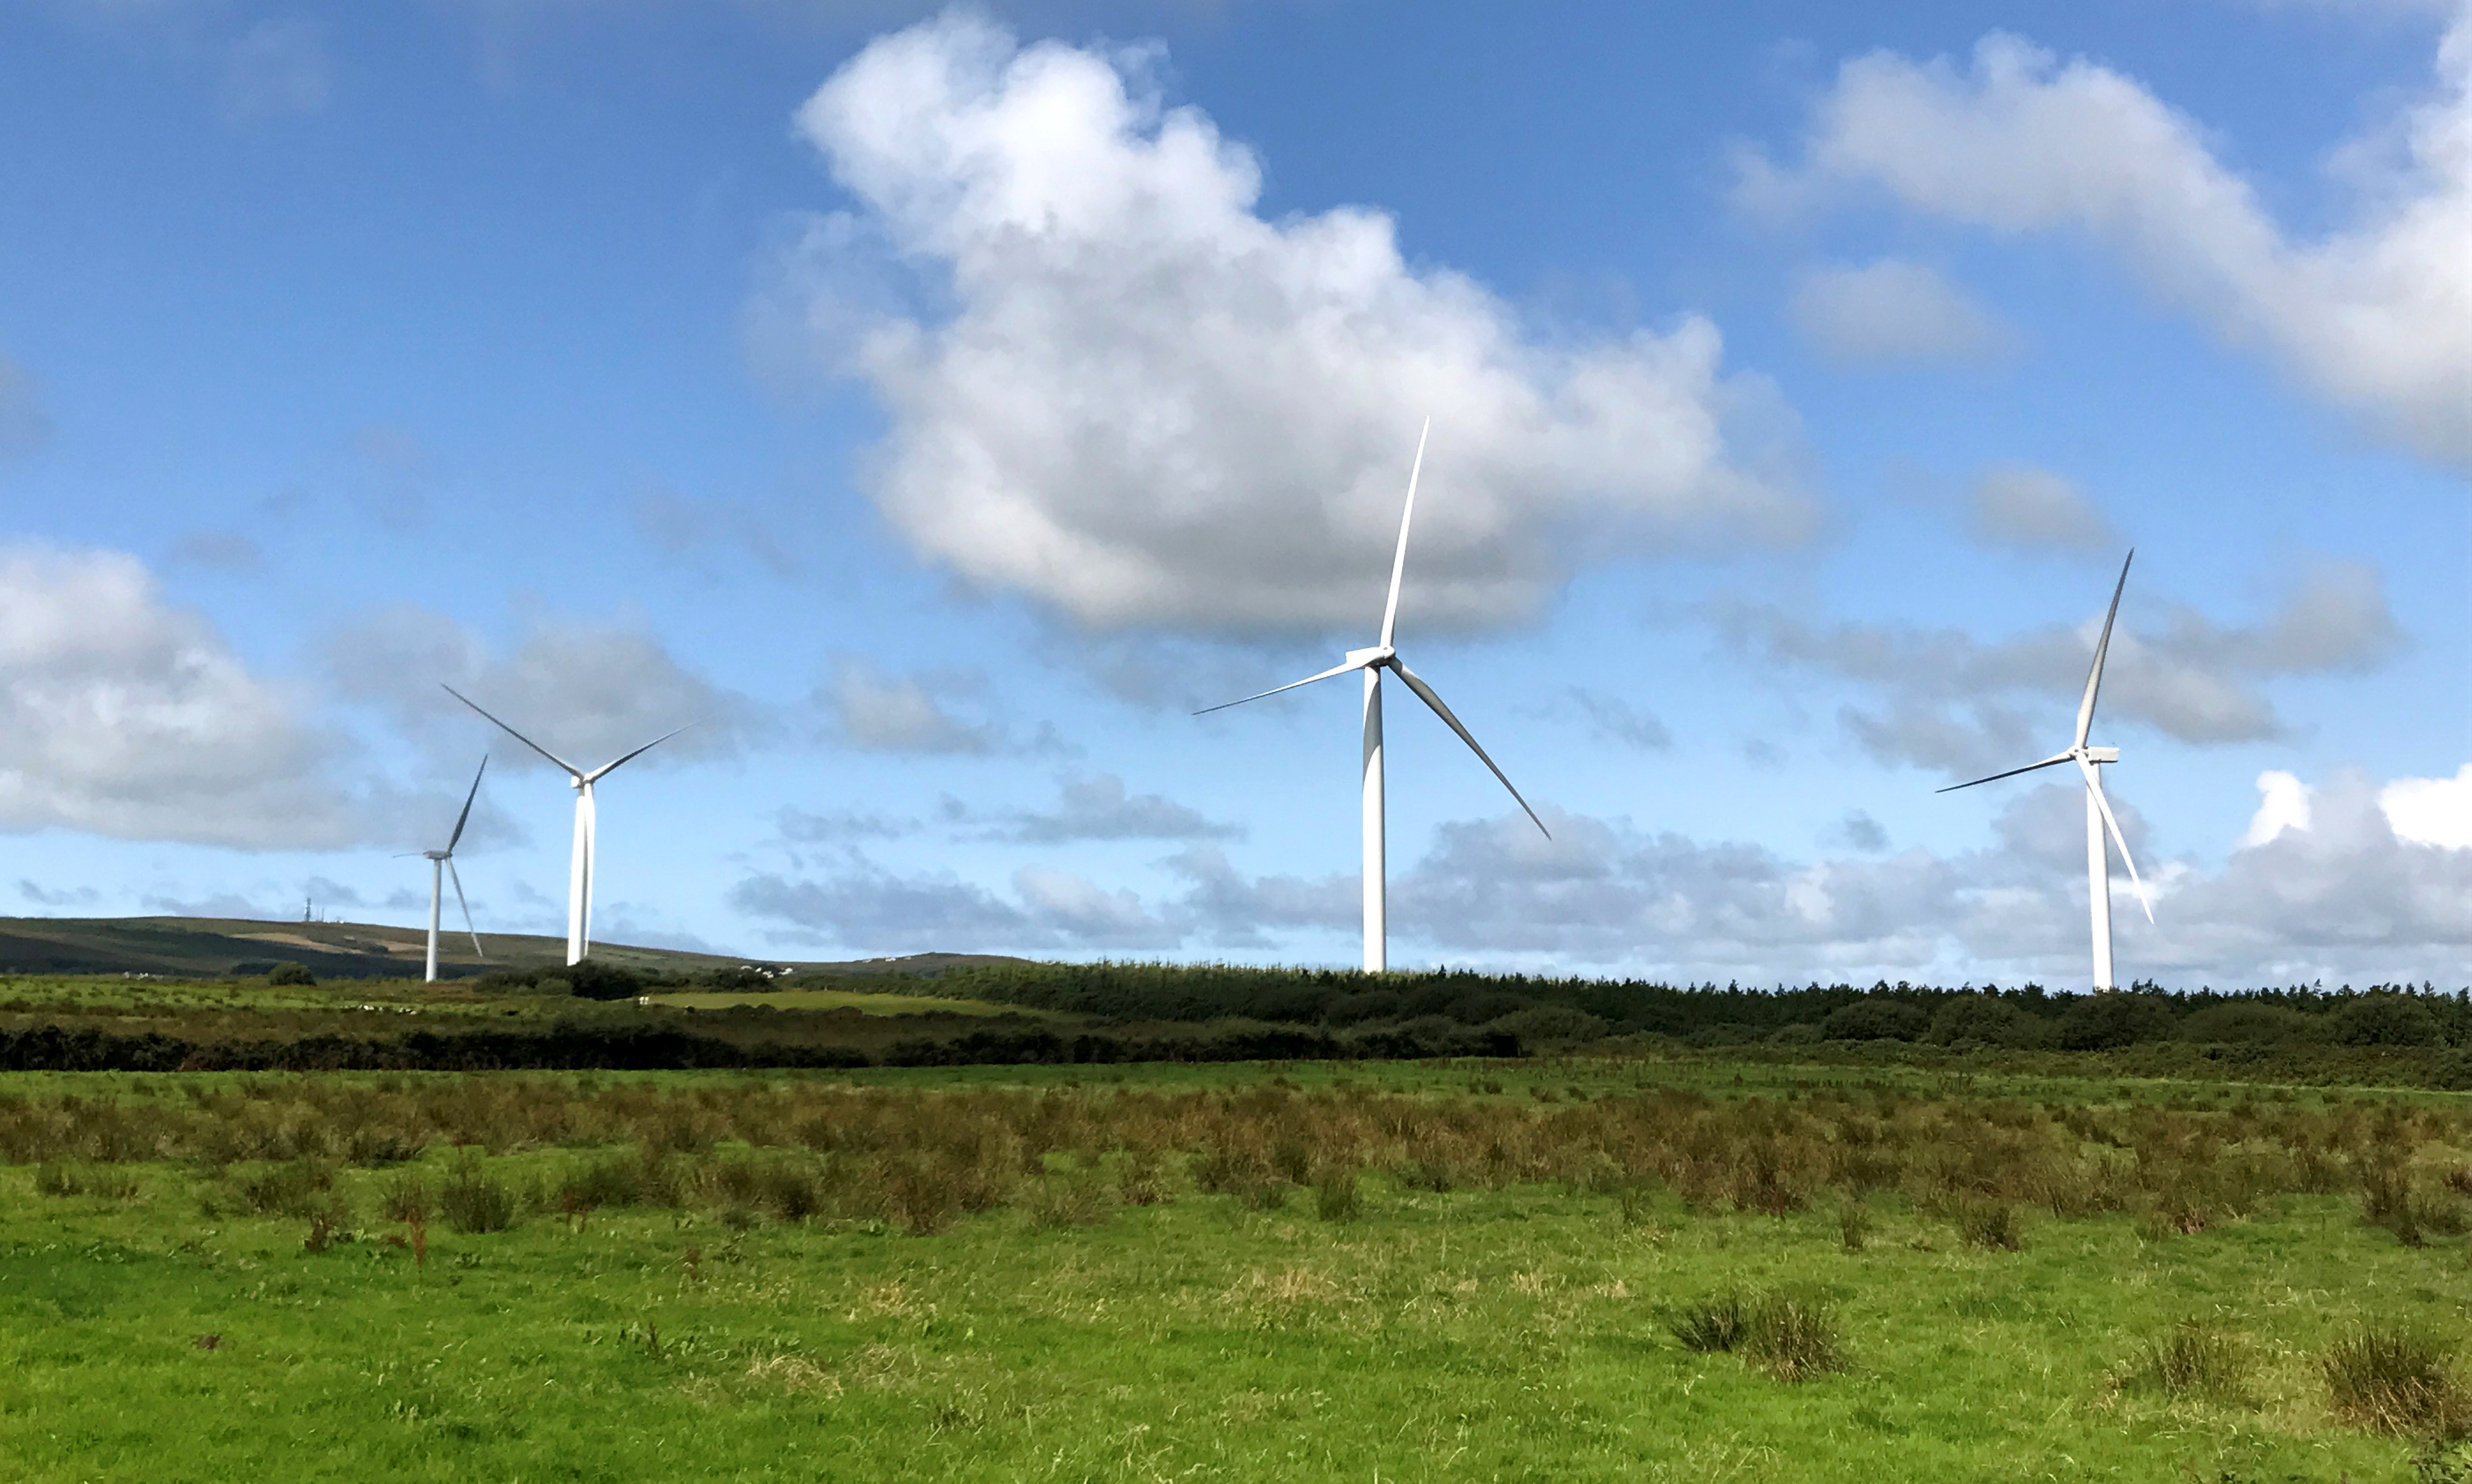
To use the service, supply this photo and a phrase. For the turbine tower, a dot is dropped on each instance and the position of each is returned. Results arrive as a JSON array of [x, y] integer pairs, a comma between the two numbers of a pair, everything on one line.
[[1373, 662], [578, 893], [445, 860], [2098, 809]]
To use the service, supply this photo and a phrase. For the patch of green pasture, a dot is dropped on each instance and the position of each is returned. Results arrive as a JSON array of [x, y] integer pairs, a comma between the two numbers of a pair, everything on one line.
[[1512, 1335], [865, 1003]]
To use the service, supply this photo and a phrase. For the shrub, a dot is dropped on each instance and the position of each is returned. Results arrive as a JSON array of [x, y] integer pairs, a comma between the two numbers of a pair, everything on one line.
[[918, 1198], [53, 1178], [1550, 1024], [2246, 1022], [328, 1224], [1334, 1195], [2194, 1361], [2113, 1019], [2383, 1019], [1984, 1020], [406, 1199], [1990, 1224], [1875, 1019], [1798, 1033], [288, 973], [595, 978], [1854, 1225], [2395, 1379], [287, 1189], [474, 1201]]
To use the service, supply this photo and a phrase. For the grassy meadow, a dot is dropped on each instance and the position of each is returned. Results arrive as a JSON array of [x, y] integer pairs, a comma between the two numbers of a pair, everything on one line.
[[1582, 1268]]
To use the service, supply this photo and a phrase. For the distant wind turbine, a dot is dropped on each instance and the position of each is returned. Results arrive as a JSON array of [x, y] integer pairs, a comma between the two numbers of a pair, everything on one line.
[[578, 894], [444, 860], [1373, 662], [2099, 816]]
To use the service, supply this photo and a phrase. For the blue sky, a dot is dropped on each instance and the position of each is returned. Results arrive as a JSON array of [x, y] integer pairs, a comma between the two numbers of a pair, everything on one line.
[[939, 406]]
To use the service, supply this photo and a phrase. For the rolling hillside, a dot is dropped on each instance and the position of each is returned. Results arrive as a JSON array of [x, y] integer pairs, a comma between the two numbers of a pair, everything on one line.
[[211, 947]]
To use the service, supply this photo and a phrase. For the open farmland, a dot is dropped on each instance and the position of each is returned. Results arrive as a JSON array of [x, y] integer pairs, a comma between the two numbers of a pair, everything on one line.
[[1465, 1270]]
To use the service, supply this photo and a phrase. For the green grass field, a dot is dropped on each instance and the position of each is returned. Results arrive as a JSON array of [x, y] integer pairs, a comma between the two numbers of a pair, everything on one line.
[[1156, 1273], [863, 1001]]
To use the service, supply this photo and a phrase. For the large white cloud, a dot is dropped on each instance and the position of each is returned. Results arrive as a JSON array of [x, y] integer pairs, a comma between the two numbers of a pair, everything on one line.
[[1141, 402], [123, 715], [2376, 317]]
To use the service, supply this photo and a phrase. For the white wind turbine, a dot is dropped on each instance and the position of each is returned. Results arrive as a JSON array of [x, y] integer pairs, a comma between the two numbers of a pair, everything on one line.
[[444, 860], [2099, 816], [1373, 662], [578, 893]]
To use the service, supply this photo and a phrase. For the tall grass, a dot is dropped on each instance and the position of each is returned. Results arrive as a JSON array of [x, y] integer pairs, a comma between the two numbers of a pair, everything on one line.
[[2394, 1379]]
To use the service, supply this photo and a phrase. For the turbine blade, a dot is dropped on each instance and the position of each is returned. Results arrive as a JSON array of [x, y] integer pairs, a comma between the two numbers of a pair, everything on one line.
[[511, 731], [1399, 557], [1425, 693], [467, 911], [2094, 785], [1340, 668], [2094, 674], [468, 804], [604, 769], [2053, 761]]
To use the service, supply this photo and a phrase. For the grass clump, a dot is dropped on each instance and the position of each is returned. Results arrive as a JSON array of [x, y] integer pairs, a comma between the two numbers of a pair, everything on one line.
[[1791, 1336], [1990, 1224], [1064, 1201], [1335, 1195], [1712, 1324], [294, 1189], [2394, 1378], [1794, 1338], [2194, 1361], [1853, 1225], [474, 1201]]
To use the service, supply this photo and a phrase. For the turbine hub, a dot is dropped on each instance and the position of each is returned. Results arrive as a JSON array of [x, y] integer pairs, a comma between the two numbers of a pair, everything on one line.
[[1379, 654]]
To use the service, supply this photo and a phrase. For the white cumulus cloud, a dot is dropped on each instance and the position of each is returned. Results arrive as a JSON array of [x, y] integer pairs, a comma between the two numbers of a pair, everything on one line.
[[2431, 811], [123, 715], [1138, 400], [2376, 317]]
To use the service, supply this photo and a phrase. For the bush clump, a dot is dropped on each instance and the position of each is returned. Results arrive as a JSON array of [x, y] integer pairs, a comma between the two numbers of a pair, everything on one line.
[[289, 973], [1990, 1224], [1875, 1019]]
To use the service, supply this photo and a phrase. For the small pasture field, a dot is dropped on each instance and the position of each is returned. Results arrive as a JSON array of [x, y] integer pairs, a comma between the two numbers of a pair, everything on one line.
[[1590, 1268]]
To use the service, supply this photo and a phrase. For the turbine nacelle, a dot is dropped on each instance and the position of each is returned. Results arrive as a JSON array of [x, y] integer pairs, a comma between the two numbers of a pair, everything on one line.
[[1379, 654], [2099, 754]]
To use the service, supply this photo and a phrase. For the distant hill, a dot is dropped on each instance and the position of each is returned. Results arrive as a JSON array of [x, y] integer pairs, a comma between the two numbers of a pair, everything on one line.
[[213, 946]]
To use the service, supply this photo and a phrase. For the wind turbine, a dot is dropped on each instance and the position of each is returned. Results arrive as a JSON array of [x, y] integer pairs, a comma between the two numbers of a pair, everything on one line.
[[578, 893], [2099, 816], [445, 860], [1373, 662]]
